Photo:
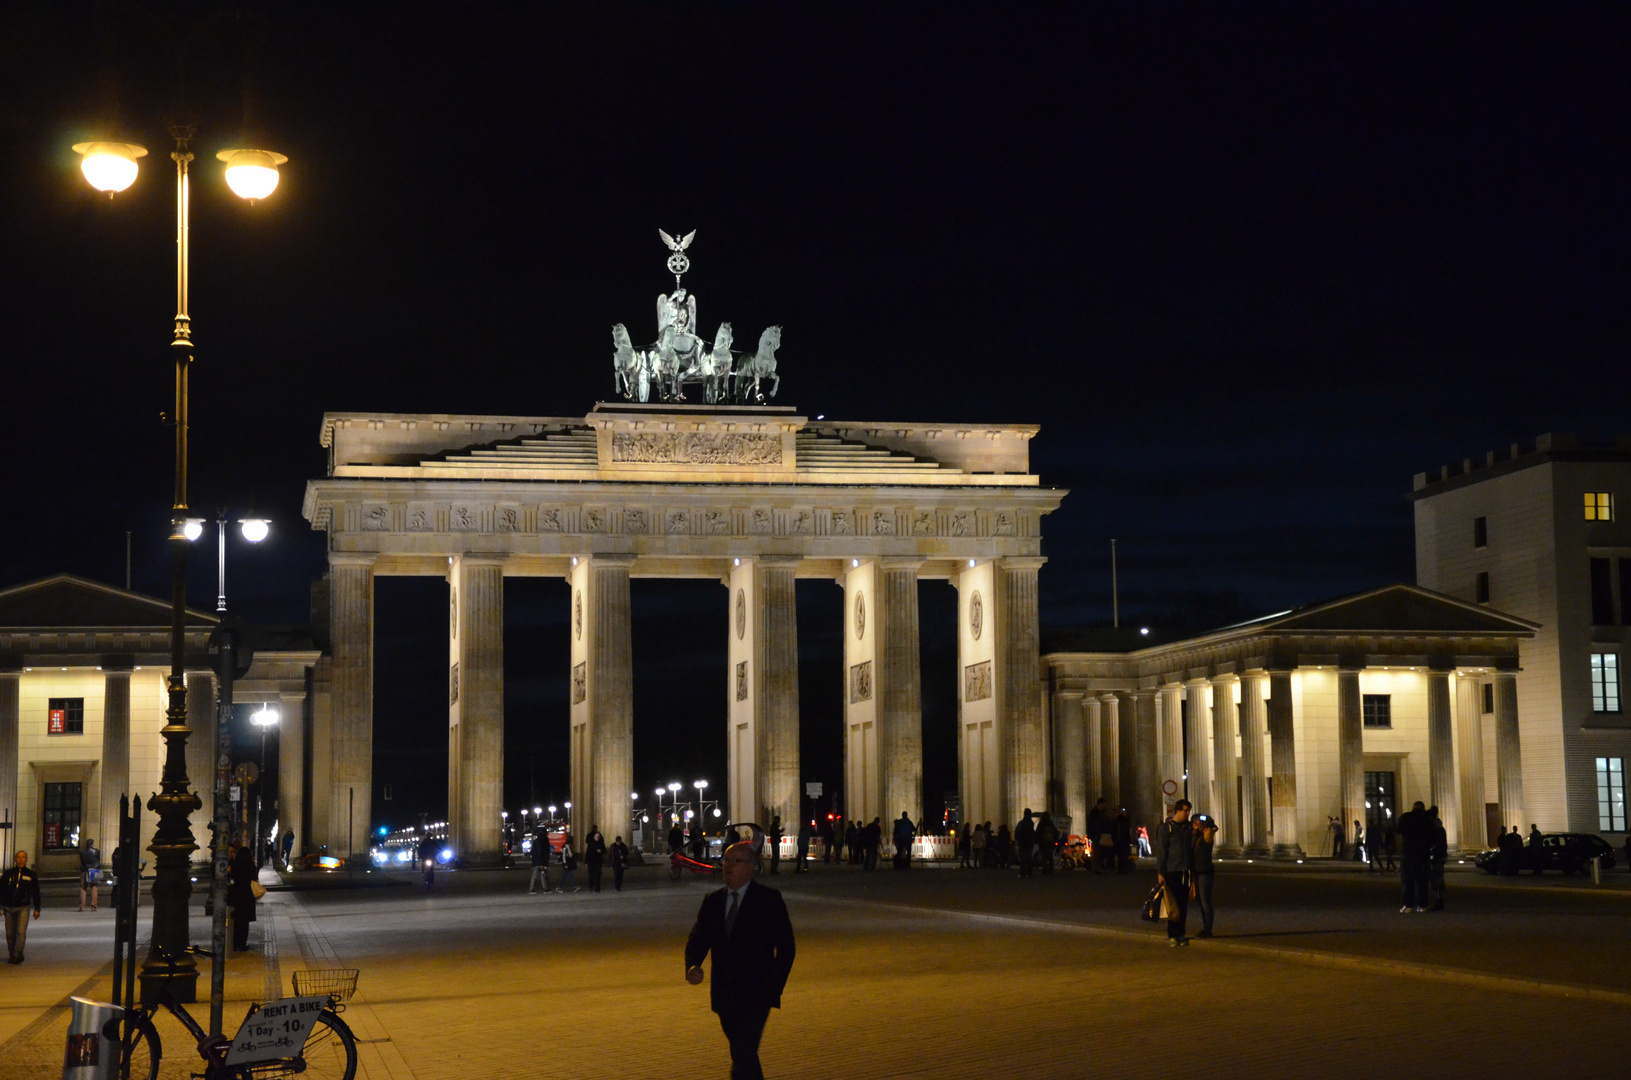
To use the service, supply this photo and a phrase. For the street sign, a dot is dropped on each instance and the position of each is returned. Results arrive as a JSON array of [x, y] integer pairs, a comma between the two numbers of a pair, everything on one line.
[[813, 789], [275, 1030], [247, 772], [1170, 787], [234, 793]]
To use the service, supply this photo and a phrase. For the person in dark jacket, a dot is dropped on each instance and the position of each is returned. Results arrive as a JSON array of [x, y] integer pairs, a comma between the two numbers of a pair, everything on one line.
[[1047, 840], [240, 896], [594, 857], [1174, 852], [1025, 842], [1416, 834], [826, 832], [1101, 834], [19, 893], [90, 860], [775, 838], [852, 841], [620, 863], [1437, 856], [871, 841], [540, 861], [806, 834], [1124, 843], [1206, 835], [676, 838], [569, 863], [746, 929], [903, 833]]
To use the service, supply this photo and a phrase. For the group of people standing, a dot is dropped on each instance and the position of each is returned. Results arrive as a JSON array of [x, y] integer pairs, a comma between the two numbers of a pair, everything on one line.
[[1425, 849], [1032, 845], [596, 854]]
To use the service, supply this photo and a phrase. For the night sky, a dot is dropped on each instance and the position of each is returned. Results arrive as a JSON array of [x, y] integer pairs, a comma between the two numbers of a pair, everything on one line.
[[1250, 267]]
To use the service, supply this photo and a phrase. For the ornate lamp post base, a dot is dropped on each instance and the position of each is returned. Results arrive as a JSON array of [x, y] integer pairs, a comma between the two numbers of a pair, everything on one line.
[[168, 962]]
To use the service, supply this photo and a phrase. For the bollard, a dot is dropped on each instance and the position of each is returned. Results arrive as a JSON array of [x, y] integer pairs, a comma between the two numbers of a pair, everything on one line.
[[93, 1041], [1597, 870]]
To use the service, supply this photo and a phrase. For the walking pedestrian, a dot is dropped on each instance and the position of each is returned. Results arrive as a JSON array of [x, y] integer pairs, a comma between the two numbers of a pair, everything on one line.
[[745, 927], [1390, 848], [904, 831], [852, 841], [242, 879], [1416, 832], [19, 893], [1206, 835], [965, 848], [775, 839], [1101, 835], [288, 849], [1338, 840], [676, 838], [594, 857], [1373, 848], [698, 842], [1004, 855], [90, 861], [1174, 851], [540, 861], [1359, 842], [872, 842], [620, 863], [569, 863], [806, 834], [1438, 854], [977, 840], [1025, 842]]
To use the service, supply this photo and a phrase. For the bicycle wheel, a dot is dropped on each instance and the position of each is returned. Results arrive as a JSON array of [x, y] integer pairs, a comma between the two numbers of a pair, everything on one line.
[[330, 1054], [141, 1049]]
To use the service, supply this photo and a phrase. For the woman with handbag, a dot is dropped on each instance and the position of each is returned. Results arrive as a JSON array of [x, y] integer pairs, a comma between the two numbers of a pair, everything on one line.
[[569, 863], [1206, 834], [1174, 852]]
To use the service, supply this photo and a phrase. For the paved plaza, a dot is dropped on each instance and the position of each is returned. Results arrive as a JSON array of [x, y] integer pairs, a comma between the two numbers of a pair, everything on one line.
[[933, 972]]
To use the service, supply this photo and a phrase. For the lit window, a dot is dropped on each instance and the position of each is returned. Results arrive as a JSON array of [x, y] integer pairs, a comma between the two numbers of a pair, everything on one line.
[[1610, 794], [1605, 682], [1377, 710], [63, 803], [1599, 506]]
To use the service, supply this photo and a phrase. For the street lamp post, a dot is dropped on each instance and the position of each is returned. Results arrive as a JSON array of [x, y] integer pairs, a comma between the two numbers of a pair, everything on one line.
[[111, 167]]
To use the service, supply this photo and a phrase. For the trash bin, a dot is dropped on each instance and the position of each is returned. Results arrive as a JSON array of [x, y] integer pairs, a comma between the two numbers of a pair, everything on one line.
[[93, 1041]]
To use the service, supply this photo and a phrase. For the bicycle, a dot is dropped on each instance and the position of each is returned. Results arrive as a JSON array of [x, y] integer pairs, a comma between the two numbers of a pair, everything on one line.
[[329, 1051]]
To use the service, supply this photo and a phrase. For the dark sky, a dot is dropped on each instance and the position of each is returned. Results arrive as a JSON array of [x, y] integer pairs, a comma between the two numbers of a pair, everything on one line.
[[1249, 267]]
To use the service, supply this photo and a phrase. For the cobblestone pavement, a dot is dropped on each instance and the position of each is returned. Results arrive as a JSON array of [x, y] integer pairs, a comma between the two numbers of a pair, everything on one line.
[[950, 974]]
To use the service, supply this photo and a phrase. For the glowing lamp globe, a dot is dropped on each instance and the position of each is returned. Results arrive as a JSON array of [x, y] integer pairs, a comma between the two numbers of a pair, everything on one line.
[[255, 529], [109, 166], [252, 174], [192, 528]]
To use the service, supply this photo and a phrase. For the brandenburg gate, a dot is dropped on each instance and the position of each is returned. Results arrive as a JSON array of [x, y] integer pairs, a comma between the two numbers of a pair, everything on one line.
[[752, 495]]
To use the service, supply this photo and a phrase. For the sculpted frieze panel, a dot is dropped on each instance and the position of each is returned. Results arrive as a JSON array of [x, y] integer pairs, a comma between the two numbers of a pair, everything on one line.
[[962, 524], [923, 523], [507, 519], [421, 518], [977, 681], [550, 519], [696, 448], [635, 521], [801, 522], [717, 522], [376, 517], [678, 523], [763, 520], [883, 523], [594, 519], [463, 518], [1003, 524], [580, 682], [860, 682], [843, 523]]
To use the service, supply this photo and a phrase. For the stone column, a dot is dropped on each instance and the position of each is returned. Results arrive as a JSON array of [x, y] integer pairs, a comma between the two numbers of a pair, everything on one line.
[[9, 760], [1508, 751], [1146, 800], [351, 728], [204, 719], [319, 781], [291, 770], [1441, 756], [475, 744], [775, 685], [979, 723], [1092, 763], [1019, 687], [602, 695], [1170, 718], [1254, 778], [1070, 758], [116, 764], [1350, 748], [1470, 737], [1197, 747], [1110, 750], [1287, 825], [1225, 767], [899, 690], [1127, 754]]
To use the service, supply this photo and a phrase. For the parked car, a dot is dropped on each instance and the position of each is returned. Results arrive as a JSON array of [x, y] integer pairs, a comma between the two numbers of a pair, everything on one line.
[[1567, 853]]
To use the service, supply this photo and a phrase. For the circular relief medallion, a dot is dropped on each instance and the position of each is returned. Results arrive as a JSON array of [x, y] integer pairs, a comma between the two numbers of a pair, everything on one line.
[[577, 614], [741, 614], [976, 615], [860, 615]]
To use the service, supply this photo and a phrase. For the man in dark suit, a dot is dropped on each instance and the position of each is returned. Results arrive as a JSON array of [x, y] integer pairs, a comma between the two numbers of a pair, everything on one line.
[[745, 926]]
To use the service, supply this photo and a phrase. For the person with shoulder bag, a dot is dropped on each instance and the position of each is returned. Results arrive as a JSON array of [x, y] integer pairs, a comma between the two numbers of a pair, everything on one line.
[[569, 863], [89, 873], [1206, 835], [1174, 853]]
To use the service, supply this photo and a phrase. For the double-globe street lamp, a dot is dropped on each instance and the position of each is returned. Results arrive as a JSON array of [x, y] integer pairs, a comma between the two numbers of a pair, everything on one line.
[[111, 166]]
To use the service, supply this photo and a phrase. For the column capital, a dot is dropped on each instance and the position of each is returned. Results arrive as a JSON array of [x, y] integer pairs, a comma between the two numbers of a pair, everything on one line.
[[1066, 695], [353, 559], [1197, 683], [611, 560], [479, 558], [775, 562], [899, 563], [1109, 697], [1021, 562]]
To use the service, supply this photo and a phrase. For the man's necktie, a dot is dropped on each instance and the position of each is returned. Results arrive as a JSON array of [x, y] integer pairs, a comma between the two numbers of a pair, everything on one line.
[[730, 914]]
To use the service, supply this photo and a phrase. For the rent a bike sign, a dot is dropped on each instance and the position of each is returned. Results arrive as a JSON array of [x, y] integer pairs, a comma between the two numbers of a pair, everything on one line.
[[277, 1029]]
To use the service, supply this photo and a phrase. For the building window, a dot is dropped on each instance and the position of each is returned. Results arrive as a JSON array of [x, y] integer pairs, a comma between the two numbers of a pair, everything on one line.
[[61, 820], [1602, 593], [1489, 697], [1481, 588], [1480, 532], [1377, 710], [1599, 506], [1610, 794], [65, 716], [1605, 682]]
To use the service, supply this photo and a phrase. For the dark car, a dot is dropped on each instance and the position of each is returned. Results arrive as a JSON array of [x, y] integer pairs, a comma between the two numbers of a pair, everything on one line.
[[1567, 853]]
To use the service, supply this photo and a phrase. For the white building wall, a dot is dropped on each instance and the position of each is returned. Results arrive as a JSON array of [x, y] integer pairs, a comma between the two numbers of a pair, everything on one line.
[[1314, 720], [1401, 749]]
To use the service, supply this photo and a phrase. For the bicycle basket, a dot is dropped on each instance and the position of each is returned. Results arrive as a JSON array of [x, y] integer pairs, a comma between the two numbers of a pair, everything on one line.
[[336, 983]]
